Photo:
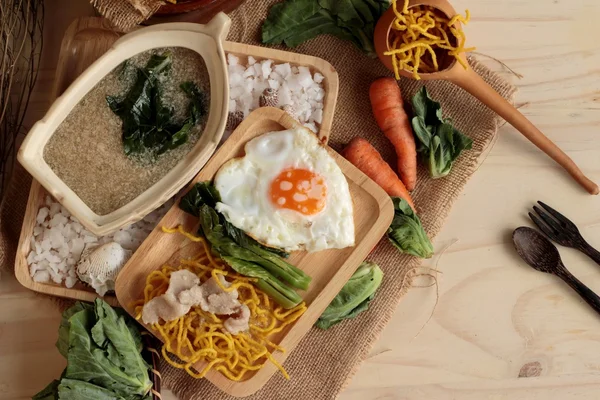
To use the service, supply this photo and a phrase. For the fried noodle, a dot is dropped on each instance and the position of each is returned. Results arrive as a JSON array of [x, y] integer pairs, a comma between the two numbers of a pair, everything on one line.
[[421, 36], [200, 336]]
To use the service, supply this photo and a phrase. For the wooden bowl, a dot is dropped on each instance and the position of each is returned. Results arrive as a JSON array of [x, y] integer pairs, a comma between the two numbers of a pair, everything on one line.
[[381, 35], [184, 6]]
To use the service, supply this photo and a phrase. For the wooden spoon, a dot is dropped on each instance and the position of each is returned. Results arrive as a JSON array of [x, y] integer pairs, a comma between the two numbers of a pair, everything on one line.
[[542, 255], [470, 81]]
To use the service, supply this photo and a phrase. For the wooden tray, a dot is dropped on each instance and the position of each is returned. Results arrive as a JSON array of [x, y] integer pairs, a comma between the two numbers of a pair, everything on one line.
[[330, 269], [85, 40]]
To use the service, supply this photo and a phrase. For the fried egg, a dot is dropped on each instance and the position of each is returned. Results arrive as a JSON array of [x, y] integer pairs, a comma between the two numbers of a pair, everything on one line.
[[287, 192]]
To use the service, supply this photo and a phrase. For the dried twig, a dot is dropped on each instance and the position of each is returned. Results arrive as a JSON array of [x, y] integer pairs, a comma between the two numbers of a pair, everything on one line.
[[21, 40]]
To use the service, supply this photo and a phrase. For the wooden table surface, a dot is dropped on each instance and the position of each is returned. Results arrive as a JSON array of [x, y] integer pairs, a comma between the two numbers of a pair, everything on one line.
[[500, 330]]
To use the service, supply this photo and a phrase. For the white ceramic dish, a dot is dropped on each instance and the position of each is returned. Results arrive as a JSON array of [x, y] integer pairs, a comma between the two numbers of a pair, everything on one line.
[[206, 40]]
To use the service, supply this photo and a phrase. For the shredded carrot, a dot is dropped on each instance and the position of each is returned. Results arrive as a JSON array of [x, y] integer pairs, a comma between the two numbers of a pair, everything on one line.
[[199, 336], [421, 36]]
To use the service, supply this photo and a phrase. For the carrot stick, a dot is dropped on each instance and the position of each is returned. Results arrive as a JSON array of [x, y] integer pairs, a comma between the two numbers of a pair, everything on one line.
[[388, 109], [366, 158]]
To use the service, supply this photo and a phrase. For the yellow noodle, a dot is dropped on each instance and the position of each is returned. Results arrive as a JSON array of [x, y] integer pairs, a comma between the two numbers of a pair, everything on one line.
[[419, 31], [199, 336]]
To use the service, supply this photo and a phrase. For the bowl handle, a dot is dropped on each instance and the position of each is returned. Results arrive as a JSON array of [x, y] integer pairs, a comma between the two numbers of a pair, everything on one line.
[[219, 26]]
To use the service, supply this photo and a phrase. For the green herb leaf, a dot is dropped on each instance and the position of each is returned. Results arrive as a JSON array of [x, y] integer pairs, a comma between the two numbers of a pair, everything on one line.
[[70, 389], [438, 142], [285, 17], [148, 124], [201, 193], [328, 323], [427, 108], [282, 294], [406, 231], [198, 101], [243, 251], [62, 344], [103, 349], [354, 297], [206, 193], [124, 343], [295, 21], [121, 369], [50, 392]]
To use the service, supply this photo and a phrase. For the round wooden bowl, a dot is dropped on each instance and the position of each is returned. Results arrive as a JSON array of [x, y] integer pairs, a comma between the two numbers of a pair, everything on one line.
[[185, 6], [197, 11]]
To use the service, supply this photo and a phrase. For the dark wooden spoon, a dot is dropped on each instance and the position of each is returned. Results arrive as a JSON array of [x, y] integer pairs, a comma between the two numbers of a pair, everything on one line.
[[542, 255]]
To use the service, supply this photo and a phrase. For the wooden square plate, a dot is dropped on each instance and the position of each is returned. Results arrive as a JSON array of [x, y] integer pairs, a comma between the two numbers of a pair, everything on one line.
[[329, 269]]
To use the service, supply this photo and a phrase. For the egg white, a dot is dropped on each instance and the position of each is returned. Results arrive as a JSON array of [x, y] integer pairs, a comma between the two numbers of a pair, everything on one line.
[[244, 185]]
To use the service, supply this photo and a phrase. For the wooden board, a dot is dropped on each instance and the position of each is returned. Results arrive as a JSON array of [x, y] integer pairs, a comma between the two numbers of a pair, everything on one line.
[[330, 269], [499, 315], [84, 42]]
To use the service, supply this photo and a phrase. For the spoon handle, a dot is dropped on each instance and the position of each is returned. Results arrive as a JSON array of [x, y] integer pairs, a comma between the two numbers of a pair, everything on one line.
[[585, 292], [470, 81], [591, 252]]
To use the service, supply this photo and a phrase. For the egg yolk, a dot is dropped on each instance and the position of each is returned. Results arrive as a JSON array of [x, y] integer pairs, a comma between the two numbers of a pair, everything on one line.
[[300, 190]]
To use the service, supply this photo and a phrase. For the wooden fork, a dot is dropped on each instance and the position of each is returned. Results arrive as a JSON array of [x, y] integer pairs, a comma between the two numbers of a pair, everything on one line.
[[560, 229]]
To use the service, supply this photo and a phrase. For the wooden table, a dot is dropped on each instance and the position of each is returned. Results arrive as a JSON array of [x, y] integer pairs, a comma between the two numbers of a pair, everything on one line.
[[496, 319]]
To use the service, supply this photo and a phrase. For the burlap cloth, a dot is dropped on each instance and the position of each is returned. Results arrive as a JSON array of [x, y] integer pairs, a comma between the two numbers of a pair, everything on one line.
[[125, 14], [325, 361]]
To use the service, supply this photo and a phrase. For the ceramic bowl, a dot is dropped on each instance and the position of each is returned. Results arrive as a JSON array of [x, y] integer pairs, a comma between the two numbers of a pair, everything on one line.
[[206, 40]]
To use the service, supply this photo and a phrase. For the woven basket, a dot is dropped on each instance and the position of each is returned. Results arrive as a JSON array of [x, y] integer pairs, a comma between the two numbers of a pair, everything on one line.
[[152, 357]]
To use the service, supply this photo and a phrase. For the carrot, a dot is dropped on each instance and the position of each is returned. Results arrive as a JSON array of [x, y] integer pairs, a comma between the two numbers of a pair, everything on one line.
[[388, 109], [366, 158]]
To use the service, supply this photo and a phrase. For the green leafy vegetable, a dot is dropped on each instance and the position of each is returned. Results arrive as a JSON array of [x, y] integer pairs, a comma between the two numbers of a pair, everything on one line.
[[63, 330], [206, 193], [295, 21], [50, 392], [148, 124], [71, 389], [242, 253], [103, 350], [438, 142], [406, 232], [249, 263], [282, 294], [201, 193], [198, 101], [354, 297]]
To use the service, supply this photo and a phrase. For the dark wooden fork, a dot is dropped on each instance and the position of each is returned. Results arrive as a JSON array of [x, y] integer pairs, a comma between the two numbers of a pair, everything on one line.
[[560, 229]]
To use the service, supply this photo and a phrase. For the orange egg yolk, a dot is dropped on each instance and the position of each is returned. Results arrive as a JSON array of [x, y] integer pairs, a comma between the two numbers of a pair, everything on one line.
[[300, 190]]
